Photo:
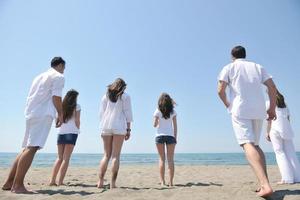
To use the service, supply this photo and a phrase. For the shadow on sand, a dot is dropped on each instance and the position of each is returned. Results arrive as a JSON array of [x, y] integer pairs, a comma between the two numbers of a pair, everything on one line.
[[280, 194]]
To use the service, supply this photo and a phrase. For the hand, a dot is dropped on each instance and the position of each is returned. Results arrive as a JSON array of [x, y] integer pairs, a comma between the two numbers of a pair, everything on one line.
[[268, 137], [127, 136], [59, 121], [271, 114]]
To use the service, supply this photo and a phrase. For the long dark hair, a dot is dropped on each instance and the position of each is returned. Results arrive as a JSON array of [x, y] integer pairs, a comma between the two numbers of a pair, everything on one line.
[[166, 105], [116, 89], [69, 104], [280, 100]]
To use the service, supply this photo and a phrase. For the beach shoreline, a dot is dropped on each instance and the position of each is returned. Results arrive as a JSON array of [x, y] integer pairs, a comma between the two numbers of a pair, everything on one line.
[[142, 182]]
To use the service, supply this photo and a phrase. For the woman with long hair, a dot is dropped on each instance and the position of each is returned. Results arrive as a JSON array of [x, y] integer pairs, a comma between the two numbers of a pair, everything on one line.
[[67, 136], [166, 136], [281, 135], [116, 118]]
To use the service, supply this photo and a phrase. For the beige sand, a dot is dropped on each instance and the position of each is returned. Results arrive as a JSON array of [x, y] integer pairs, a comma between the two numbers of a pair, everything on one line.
[[141, 182]]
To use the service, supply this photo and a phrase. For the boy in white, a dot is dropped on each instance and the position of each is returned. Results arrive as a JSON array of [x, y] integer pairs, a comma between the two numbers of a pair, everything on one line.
[[281, 135], [247, 108], [43, 101]]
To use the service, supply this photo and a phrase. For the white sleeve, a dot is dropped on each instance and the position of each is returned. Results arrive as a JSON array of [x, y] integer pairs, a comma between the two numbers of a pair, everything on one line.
[[57, 86], [127, 109], [103, 106], [264, 75], [174, 113], [224, 75], [78, 107], [156, 113]]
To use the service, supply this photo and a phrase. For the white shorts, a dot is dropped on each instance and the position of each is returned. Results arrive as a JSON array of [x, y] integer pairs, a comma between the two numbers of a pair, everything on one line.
[[112, 132], [247, 130], [37, 131]]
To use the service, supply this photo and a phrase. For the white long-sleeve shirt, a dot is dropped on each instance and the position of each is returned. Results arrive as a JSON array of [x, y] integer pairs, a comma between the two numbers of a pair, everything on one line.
[[115, 115]]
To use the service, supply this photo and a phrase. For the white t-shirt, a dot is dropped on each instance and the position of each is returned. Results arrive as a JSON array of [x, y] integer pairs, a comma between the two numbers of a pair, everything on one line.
[[165, 126], [44, 87], [115, 115], [282, 125], [70, 125], [245, 81]]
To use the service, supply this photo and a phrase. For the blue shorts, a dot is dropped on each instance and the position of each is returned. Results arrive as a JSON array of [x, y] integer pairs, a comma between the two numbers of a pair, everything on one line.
[[69, 138], [165, 139]]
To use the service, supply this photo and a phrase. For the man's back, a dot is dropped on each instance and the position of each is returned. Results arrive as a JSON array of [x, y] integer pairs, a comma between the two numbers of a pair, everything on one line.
[[245, 81], [39, 100]]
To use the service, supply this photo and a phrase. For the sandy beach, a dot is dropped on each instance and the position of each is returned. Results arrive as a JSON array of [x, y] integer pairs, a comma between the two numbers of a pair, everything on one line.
[[141, 182]]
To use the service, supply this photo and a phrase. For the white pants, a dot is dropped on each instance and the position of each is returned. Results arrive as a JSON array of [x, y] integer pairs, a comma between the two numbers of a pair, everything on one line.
[[286, 157]]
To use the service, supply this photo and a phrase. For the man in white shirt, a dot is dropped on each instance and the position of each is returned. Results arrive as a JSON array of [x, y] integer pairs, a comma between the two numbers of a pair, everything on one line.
[[247, 107], [43, 101]]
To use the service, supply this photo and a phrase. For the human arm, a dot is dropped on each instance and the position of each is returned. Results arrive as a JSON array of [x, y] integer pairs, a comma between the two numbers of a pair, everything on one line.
[[155, 121], [128, 131], [175, 126], [127, 109], [272, 97], [268, 130], [57, 101], [77, 119], [222, 85]]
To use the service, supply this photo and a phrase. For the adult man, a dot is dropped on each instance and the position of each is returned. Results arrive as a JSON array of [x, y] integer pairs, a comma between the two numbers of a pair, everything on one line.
[[43, 101], [247, 108]]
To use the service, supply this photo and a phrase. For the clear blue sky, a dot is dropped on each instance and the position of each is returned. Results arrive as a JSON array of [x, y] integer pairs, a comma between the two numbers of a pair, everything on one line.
[[172, 46]]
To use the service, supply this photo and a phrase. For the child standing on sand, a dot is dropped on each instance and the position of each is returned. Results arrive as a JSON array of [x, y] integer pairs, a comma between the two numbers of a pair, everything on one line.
[[281, 135], [166, 136], [67, 136]]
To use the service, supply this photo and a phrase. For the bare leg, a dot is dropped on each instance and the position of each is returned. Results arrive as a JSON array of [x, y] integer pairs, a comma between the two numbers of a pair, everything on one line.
[[115, 160], [257, 164], [10, 179], [170, 156], [57, 164], [107, 141], [161, 152], [24, 163], [65, 163], [262, 155]]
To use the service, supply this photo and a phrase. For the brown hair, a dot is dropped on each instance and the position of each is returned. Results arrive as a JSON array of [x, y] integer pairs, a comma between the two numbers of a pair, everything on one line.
[[280, 100], [69, 104], [166, 105], [116, 89]]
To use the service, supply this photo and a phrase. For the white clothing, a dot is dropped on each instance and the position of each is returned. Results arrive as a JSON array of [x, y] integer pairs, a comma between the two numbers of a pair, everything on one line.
[[115, 115], [282, 124], [286, 158], [247, 130], [245, 81], [70, 125], [165, 126], [37, 131], [44, 87]]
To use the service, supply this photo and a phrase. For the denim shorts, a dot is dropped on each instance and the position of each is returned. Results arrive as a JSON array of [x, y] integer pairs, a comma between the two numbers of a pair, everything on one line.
[[69, 138], [165, 139]]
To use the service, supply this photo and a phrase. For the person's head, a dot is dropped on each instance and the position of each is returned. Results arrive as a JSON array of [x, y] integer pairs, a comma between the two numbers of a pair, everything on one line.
[[116, 89], [166, 105], [280, 100], [69, 104], [58, 64], [238, 52]]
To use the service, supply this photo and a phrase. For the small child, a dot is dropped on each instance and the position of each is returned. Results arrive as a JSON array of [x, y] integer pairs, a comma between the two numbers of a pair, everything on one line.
[[67, 136], [166, 136], [281, 135]]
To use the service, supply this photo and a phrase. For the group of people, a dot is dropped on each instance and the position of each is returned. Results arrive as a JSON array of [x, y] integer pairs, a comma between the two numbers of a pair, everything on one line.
[[246, 105]]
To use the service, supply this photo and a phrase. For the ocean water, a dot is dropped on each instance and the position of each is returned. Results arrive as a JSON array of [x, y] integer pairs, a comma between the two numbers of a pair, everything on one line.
[[92, 160]]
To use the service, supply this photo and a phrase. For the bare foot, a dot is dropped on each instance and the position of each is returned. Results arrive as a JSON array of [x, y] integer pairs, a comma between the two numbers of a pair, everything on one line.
[[112, 186], [283, 183], [7, 186], [100, 183], [52, 184], [21, 190], [265, 191]]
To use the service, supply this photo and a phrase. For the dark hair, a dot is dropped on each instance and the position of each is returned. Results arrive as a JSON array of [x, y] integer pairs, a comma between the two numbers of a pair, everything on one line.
[[116, 89], [280, 100], [69, 104], [238, 52], [56, 61], [165, 105]]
